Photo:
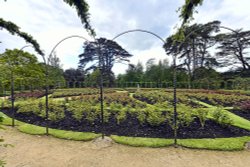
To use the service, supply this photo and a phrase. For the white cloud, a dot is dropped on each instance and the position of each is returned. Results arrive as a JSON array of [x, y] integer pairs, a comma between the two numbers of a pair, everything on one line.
[[50, 21], [231, 13]]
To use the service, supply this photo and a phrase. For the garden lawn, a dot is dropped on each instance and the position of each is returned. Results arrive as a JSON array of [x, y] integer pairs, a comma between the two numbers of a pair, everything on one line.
[[222, 144], [237, 120]]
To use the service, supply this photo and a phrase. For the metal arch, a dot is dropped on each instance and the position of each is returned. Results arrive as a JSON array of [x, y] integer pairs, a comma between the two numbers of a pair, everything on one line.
[[139, 30], [71, 36], [174, 78], [47, 75]]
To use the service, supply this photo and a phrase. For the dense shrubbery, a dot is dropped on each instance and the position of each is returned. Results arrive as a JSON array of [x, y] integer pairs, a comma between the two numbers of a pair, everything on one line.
[[148, 107], [218, 99], [34, 94], [56, 109], [245, 106], [78, 92]]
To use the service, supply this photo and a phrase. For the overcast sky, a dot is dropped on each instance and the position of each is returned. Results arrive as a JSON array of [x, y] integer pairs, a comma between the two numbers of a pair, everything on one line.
[[49, 21]]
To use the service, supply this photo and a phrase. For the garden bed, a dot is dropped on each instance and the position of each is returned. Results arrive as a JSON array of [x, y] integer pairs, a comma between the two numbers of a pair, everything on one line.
[[241, 113], [140, 114], [132, 127]]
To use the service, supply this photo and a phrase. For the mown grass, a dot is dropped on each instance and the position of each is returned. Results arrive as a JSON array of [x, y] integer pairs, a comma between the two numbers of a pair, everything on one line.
[[62, 134], [222, 144], [7, 120], [141, 141], [32, 129], [237, 120], [70, 135]]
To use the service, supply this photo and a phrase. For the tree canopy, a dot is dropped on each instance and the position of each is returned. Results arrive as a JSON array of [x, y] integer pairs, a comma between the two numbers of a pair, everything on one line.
[[233, 49], [102, 53]]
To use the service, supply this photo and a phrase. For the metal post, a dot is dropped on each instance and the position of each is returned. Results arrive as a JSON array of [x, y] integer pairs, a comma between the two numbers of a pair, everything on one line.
[[101, 88], [12, 99], [174, 103], [47, 100]]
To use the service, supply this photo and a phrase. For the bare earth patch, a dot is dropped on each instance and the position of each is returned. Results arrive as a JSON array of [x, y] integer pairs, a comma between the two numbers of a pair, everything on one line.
[[46, 151]]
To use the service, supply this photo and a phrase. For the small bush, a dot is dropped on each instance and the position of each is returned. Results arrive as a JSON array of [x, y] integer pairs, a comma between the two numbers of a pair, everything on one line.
[[245, 106], [222, 117], [202, 114]]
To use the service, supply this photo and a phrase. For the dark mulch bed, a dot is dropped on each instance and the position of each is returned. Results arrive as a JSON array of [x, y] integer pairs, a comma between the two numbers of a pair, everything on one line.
[[241, 113], [132, 127]]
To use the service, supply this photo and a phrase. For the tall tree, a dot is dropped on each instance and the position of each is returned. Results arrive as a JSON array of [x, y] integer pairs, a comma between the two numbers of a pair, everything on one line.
[[193, 50], [158, 72], [103, 53], [73, 75], [20, 66], [53, 60], [134, 73], [233, 49]]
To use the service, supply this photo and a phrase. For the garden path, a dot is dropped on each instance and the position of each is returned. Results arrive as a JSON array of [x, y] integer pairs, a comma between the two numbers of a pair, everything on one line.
[[41, 151]]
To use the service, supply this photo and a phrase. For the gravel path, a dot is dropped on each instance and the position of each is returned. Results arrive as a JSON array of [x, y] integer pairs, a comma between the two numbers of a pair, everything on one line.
[[46, 151]]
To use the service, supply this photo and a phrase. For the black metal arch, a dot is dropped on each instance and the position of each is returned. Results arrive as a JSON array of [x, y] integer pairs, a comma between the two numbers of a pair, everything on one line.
[[174, 76], [64, 39], [47, 75], [139, 30]]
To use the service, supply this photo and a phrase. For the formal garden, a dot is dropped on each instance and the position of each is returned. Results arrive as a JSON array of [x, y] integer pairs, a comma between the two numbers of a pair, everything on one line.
[[181, 101], [137, 113]]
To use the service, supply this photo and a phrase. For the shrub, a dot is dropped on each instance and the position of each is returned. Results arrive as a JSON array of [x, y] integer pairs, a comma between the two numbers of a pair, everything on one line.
[[34, 94], [56, 109], [202, 114], [154, 116], [222, 117], [245, 106]]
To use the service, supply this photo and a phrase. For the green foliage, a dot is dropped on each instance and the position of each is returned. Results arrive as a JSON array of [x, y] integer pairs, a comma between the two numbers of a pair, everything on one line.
[[106, 52], [122, 115], [222, 144], [142, 142], [82, 9], [22, 67], [56, 109], [32, 129], [222, 117], [187, 10], [202, 114], [62, 134], [154, 116], [185, 115], [80, 109], [70, 135], [14, 29]]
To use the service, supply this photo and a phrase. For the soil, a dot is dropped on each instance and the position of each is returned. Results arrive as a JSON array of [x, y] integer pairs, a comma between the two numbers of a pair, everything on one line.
[[244, 114], [132, 127], [41, 151]]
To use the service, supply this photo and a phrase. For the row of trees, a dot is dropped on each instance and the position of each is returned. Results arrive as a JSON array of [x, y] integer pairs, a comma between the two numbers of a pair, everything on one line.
[[203, 50]]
